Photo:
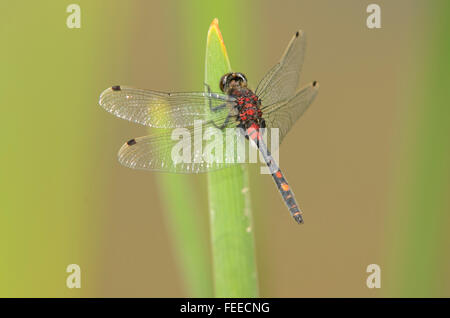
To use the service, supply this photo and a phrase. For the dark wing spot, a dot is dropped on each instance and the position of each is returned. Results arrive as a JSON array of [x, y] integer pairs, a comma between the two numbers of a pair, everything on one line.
[[131, 142], [116, 88], [314, 83], [297, 34]]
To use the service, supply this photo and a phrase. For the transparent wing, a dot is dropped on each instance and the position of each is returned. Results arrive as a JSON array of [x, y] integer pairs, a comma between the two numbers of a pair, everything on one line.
[[282, 81], [196, 149], [283, 115], [165, 110]]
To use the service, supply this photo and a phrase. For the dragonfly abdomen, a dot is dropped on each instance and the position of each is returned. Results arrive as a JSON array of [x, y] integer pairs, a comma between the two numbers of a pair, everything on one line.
[[280, 180], [287, 195]]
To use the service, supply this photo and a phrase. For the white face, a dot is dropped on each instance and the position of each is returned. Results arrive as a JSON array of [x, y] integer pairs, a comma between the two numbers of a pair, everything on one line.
[[231, 80]]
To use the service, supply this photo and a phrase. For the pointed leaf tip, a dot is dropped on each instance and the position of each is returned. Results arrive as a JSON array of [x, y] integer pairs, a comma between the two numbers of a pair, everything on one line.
[[215, 31]]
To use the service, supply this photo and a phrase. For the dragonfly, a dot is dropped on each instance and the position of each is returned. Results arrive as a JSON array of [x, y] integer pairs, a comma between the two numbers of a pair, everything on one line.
[[277, 102]]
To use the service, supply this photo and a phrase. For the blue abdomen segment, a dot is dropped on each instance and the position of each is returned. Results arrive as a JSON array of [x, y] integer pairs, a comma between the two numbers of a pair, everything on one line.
[[279, 178]]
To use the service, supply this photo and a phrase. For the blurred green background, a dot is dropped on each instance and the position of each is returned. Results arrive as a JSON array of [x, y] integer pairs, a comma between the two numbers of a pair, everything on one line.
[[368, 161]]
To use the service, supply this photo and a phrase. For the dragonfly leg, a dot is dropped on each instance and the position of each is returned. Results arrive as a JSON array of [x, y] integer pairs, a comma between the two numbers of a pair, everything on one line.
[[225, 123], [221, 106], [209, 92]]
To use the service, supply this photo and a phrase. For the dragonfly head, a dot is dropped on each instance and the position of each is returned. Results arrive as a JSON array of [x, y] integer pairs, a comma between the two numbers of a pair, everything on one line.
[[232, 80]]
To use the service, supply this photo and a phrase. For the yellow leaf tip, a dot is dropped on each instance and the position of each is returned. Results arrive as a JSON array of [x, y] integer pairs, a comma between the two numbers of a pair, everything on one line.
[[215, 26]]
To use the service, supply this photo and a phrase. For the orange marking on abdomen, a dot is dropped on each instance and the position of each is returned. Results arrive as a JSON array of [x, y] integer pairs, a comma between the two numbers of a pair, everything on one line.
[[297, 213], [278, 174], [285, 187]]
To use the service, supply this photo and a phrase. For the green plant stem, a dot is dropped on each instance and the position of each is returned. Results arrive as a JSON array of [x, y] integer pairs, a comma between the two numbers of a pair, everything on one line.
[[421, 201], [234, 267]]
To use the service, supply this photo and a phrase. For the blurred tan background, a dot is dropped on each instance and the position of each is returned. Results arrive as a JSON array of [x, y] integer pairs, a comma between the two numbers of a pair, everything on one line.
[[341, 158]]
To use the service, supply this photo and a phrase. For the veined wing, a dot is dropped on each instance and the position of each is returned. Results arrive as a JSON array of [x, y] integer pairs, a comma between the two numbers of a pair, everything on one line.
[[283, 115], [196, 149], [282, 81], [165, 110]]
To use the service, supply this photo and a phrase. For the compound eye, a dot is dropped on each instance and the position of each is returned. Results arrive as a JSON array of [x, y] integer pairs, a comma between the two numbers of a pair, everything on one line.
[[223, 82]]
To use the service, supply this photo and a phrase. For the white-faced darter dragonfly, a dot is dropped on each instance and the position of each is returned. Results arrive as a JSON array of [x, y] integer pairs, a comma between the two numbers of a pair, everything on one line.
[[276, 103]]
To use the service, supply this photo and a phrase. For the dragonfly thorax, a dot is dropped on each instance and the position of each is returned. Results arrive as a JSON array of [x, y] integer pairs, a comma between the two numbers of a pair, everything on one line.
[[249, 108]]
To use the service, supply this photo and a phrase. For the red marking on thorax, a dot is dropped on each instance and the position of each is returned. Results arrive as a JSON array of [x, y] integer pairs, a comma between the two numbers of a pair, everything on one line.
[[250, 114], [249, 108]]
